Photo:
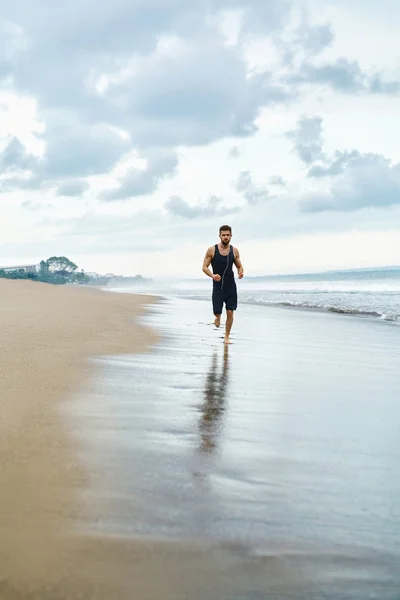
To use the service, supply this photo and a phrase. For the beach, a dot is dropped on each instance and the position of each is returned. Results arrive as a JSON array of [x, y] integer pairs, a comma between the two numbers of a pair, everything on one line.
[[48, 335], [146, 460]]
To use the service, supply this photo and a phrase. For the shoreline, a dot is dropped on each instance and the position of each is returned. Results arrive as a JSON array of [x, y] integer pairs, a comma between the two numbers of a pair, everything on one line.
[[49, 335], [372, 315]]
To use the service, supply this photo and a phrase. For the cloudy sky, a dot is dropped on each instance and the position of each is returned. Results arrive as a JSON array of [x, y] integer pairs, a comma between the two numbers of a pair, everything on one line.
[[130, 130]]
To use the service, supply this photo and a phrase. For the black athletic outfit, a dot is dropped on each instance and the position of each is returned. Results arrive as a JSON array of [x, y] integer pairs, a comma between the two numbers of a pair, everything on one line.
[[224, 291]]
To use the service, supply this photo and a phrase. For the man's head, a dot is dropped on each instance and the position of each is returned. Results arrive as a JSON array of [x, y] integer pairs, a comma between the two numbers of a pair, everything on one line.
[[225, 234]]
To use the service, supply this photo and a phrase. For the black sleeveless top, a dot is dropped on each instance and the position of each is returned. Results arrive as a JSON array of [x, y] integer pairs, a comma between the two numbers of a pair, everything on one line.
[[223, 265]]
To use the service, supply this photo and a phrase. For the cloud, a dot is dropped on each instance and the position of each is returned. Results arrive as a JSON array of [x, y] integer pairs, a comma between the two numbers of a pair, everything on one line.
[[35, 206], [146, 231], [191, 93], [316, 38], [378, 86], [307, 139], [344, 76], [159, 70], [70, 151], [74, 187], [12, 44], [92, 39], [278, 181], [14, 157], [366, 180], [97, 27], [142, 182], [334, 166], [17, 167], [300, 48], [252, 193], [178, 207], [304, 40], [93, 232], [73, 150], [234, 152], [352, 180]]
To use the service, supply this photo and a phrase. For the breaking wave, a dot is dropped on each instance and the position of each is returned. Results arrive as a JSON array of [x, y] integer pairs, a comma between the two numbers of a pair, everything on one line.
[[327, 308], [388, 314]]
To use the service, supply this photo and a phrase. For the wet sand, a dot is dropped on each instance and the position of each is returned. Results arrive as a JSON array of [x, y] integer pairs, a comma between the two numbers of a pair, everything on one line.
[[271, 466], [47, 335], [187, 470]]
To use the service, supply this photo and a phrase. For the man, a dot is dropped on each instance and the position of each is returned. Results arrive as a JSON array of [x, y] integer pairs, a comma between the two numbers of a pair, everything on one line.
[[222, 257]]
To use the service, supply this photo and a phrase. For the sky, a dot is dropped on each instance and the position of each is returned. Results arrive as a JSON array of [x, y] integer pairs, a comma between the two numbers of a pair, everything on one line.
[[131, 130]]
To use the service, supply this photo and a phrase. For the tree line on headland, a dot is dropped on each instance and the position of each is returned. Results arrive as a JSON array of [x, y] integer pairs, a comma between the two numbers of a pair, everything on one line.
[[60, 270]]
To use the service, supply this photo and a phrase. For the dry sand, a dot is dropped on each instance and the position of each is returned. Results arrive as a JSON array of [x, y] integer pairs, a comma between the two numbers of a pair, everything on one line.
[[47, 335]]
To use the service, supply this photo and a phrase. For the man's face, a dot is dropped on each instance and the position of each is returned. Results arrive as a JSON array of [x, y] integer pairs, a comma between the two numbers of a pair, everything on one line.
[[225, 237]]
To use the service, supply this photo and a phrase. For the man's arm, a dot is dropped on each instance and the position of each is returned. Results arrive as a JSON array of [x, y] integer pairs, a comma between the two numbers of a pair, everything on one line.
[[207, 262], [238, 263]]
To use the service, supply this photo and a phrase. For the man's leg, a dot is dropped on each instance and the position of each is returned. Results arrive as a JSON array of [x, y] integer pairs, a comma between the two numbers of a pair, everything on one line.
[[228, 325], [217, 306], [231, 306]]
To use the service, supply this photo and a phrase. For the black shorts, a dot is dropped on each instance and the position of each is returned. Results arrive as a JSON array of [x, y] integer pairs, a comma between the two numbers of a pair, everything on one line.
[[227, 296]]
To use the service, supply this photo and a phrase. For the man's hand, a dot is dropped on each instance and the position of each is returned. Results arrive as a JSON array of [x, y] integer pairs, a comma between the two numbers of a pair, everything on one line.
[[240, 274], [217, 277]]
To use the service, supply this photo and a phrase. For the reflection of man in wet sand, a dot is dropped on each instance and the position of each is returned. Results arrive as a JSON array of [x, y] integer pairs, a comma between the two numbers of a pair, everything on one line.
[[214, 403], [222, 257]]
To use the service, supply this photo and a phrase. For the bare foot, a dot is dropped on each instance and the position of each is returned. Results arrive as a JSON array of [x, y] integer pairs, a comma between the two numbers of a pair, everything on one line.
[[217, 321], [227, 341]]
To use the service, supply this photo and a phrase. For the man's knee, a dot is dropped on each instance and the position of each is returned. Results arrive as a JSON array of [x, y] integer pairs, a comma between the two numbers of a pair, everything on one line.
[[229, 313]]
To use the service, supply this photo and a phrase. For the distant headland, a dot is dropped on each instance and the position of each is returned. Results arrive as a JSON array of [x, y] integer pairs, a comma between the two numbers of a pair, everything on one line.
[[60, 270]]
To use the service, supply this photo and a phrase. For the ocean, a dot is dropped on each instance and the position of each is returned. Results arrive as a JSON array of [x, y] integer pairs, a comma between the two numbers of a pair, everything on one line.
[[373, 293]]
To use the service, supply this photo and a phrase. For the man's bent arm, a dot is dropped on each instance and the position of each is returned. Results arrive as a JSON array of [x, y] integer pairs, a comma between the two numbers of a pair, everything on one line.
[[238, 262], [206, 263]]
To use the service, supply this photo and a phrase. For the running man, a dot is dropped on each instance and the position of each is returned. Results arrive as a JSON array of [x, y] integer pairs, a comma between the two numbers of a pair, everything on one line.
[[222, 257]]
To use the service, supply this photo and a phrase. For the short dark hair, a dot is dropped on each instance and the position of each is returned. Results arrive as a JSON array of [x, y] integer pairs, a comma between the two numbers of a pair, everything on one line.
[[225, 228]]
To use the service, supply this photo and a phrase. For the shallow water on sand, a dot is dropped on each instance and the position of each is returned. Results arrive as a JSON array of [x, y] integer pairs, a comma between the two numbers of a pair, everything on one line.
[[282, 447]]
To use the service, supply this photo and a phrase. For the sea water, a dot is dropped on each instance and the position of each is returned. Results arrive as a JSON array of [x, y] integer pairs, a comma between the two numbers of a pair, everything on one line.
[[371, 293]]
